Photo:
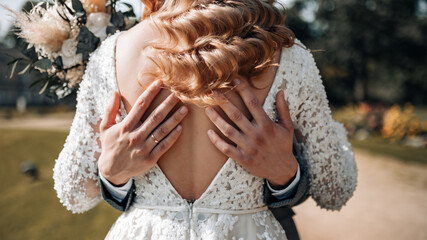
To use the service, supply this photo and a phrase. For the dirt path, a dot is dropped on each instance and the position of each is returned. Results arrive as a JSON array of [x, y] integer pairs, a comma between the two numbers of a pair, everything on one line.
[[390, 203], [58, 122]]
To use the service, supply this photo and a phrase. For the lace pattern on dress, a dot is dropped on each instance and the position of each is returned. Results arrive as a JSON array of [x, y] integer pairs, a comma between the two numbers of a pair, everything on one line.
[[331, 167], [76, 171]]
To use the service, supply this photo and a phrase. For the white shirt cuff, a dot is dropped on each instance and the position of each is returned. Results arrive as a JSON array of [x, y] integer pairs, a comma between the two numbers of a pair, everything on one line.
[[288, 189], [118, 193]]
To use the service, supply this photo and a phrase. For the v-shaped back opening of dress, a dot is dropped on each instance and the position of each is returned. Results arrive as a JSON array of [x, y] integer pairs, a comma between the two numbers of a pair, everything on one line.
[[270, 94]]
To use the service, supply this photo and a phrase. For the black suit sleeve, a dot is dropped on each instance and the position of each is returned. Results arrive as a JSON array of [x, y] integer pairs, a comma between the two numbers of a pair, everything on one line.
[[124, 204]]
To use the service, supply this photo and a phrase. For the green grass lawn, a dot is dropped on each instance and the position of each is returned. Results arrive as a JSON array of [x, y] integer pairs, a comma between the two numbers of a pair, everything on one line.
[[31, 210]]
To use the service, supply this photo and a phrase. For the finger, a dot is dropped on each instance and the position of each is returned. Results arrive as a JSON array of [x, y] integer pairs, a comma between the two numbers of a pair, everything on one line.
[[227, 149], [235, 115], [141, 105], [283, 111], [110, 113], [166, 143], [157, 116], [251, 102], [229, 131], [165, 128]]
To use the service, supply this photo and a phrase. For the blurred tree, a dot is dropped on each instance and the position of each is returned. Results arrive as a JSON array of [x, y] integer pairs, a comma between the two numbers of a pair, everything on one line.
[[296, 22], [374, 49]]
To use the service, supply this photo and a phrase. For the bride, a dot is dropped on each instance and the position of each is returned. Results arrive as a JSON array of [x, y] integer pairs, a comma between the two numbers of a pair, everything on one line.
[[196, 172]]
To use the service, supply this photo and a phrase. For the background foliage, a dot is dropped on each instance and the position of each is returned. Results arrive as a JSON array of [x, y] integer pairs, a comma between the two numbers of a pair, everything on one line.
[[374, 50]]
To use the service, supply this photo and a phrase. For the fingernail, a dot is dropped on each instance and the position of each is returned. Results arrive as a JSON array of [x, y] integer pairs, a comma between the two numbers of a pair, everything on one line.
[[158, 83], [236, 81], [209, 110], [178, 128], [183, 110], [210, 133], [219, 95]]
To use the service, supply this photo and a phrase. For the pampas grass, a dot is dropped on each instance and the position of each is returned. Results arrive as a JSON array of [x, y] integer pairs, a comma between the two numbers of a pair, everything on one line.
[[43, 28]]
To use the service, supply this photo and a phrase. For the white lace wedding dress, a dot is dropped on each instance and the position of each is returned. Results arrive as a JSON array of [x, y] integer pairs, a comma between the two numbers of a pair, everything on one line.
[[232, 207]]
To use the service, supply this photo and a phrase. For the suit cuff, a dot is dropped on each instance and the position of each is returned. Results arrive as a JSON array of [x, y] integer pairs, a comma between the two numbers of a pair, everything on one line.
[[117, 193], [300, 195], [289, 190]]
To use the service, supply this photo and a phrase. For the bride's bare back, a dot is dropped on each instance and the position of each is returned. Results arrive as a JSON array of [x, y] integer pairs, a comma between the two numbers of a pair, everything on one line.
[[193, 161]]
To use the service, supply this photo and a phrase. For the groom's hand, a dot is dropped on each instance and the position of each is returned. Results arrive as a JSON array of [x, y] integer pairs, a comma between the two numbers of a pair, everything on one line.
[[263, 147], [130, 148]]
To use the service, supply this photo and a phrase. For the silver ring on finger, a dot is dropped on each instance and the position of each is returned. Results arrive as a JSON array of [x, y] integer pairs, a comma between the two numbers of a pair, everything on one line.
[[154, 138]]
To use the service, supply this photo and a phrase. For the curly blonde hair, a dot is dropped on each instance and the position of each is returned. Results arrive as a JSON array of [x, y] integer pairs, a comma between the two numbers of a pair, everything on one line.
[[217, 39]]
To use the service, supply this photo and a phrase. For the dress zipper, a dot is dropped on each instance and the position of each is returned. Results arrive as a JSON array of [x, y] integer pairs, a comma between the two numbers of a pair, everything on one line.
[[190, 208], [190, 216]]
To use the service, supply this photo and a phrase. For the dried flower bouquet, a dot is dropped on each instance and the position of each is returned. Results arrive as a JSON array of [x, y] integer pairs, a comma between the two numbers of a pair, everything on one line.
[[61, 35]]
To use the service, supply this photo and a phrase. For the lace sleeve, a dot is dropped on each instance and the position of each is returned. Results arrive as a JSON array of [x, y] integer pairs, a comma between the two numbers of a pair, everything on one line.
[[323, 142], [75, 172]]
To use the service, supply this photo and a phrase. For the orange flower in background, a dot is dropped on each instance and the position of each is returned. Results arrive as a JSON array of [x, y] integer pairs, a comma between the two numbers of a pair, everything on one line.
[[398, 122], [392, 122], [364, 108], [92, 6]]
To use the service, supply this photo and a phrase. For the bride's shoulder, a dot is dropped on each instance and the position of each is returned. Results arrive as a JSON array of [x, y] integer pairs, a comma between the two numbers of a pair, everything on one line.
[[298, 56], [298, 69], [101, 61], [106, 48], [98, 79]]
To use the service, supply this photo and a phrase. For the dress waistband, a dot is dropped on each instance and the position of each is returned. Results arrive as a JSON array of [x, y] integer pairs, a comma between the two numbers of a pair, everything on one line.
[[201, 209]]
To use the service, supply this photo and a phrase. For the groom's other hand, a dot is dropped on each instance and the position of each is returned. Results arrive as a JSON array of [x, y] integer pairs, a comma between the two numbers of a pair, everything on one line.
[[263, 147]]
